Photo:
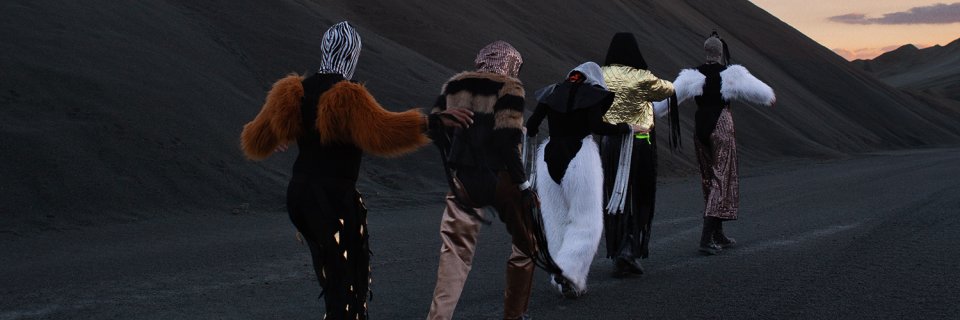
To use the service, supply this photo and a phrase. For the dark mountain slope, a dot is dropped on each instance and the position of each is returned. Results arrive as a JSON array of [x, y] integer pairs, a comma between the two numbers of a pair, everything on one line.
[[934, 70], [119, 110]]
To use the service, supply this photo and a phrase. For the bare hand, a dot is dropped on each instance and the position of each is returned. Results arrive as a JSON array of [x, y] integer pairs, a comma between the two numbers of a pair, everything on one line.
[[281, 148], [457, 117]]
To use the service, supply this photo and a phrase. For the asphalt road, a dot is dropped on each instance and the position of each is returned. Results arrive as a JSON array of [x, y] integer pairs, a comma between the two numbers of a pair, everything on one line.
[[871, 237]]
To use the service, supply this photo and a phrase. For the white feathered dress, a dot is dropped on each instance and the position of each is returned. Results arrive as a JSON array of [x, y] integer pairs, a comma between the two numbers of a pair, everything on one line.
[[713, 86]]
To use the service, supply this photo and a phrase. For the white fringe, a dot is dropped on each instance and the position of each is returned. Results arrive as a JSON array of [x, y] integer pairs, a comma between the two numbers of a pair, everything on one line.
[[529, 159], [618, 198]]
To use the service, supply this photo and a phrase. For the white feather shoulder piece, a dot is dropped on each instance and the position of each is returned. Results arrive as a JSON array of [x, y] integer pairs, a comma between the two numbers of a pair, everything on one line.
[[689, 84], [738, 84]]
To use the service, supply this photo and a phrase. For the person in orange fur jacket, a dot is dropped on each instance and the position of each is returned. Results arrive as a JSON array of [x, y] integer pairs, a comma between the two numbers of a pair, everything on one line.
[[334, 121]]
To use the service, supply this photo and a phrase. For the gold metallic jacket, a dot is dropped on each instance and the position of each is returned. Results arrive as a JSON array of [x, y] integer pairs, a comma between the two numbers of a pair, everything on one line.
[[635, 89]]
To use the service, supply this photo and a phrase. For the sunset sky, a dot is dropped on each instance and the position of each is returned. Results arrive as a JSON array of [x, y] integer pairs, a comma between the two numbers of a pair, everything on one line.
[[858, 29]]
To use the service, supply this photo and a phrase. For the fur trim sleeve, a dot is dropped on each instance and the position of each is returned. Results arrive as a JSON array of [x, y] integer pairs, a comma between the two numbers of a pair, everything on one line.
[[348, 113], [278, 121], [512, 87], [689, 84], [508, 110], [508, 134], [507, 127], [739, 84]]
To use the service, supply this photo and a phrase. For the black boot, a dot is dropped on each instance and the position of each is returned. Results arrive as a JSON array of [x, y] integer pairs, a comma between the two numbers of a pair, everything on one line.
[[626, 266], [707, 245], [566, 287], [721, 239]]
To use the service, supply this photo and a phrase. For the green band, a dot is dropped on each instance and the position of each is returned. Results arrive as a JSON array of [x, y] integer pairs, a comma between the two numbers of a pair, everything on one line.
[[643, 136]]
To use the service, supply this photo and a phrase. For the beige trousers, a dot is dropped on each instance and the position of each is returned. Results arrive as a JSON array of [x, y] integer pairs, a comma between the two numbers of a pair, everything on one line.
[[458, 234]]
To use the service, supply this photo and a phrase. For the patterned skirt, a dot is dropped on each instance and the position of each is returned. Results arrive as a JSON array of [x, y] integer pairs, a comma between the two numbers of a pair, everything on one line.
[[718, 170]]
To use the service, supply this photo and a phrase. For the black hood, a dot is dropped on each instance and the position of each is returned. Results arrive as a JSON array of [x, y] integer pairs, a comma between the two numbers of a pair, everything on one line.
[[624, 51]]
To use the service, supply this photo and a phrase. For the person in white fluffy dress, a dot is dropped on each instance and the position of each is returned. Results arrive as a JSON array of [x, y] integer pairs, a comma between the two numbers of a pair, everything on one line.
[[714, 85], [569, 176]]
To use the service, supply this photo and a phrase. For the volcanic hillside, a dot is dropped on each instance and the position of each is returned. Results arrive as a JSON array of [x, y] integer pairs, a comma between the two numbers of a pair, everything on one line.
[[934, 70], [126, 110]]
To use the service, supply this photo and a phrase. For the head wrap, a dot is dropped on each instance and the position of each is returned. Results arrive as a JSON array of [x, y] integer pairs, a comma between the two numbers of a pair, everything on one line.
[[340, 50], [499, 57], [624, 51], [716, 49], [594, 76]]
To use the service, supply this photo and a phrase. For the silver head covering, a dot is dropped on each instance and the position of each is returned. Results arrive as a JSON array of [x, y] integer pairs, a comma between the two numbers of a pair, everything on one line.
[[714, 48], [340, 50], [593, 74], [499, 57]]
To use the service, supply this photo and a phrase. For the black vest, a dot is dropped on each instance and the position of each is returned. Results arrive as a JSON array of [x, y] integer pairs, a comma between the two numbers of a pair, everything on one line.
[[711, 103], [318, 160]]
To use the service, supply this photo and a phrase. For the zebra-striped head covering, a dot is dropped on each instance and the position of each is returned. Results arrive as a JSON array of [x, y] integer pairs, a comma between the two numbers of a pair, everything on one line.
[[340, 50], [499, 57]]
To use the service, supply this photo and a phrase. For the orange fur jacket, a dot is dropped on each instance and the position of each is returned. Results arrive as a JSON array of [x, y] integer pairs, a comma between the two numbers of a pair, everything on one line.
[[346, 113]]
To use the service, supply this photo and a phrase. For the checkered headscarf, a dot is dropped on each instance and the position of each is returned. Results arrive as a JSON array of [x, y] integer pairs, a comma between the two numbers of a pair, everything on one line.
[[499, 57]]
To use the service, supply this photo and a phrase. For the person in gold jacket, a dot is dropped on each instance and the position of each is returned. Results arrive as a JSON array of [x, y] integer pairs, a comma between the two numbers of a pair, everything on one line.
[[334, 121], [628, 225]]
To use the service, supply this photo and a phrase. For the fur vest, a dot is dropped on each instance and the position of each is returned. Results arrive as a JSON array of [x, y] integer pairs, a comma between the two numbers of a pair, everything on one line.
[[493, 140]]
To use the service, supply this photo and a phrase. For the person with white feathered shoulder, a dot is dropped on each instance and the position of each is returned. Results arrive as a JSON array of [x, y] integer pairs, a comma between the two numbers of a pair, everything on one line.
[[713, 86]]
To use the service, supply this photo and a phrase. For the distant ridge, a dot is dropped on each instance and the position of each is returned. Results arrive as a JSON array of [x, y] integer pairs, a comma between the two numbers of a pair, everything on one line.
[[934, 70]]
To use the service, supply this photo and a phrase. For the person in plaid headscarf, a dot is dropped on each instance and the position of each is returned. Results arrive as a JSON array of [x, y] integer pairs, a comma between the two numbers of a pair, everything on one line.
[[484, 169]]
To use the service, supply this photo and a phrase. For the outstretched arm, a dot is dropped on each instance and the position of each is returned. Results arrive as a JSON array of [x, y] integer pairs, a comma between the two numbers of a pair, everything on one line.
[[441, 117], [348, 113], [279, 121], [656, 88], [689, 84], [533, 123], [739, 84]]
